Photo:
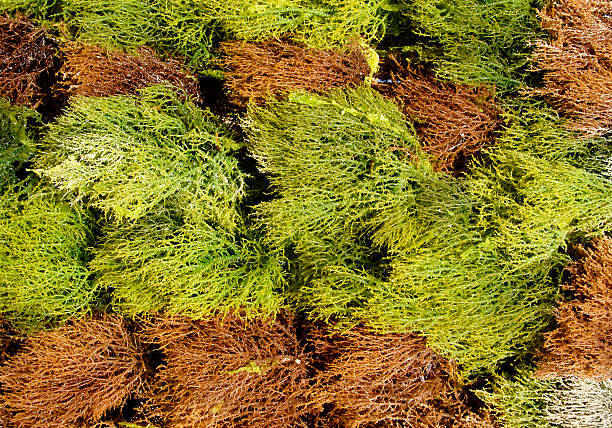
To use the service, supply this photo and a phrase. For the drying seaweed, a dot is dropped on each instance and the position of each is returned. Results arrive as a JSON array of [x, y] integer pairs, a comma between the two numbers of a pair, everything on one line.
[[93, 71], [577, 63], [258, 71], [580, 345], [27, 60], [228, 372], [374, 379], [454, 121], [72, 376]]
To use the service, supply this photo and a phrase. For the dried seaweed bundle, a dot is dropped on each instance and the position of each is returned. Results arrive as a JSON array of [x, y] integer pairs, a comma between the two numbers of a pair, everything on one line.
[[228, 372], [94, 71], [577, 63], [388, 380], [72, 375], [26, 59], [454, 121], [580, 345], [274, 68], [580, 403]]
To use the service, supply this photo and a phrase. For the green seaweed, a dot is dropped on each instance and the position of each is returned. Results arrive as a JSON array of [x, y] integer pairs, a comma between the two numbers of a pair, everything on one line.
[[470, 41], [189, 268], [44, 278], [127, 155], [16, 141], [330, 160], [374, 234]]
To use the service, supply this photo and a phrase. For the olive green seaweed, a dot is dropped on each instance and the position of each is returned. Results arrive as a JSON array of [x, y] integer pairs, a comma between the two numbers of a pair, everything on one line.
[[470, 41], [162, 172], [127, 156], [16, 141], [331, 159], [374, 234]]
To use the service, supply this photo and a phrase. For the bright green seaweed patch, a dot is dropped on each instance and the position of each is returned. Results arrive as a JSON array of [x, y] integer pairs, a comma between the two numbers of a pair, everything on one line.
[[43, 253], [162, 172], [473, 41], [16, 141], [331, 160], [189, 268], [114, 23], [317, 24], [127, 155], [39, 10], [533, 127], [479, 284], [471, 262]]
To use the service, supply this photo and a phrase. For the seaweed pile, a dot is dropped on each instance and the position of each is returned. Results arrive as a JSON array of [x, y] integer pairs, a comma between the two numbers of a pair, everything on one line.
[[297, 213]]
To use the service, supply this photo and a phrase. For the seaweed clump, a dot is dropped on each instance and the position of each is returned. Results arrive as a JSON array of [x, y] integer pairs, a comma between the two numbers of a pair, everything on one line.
[[454, 121], [374, 379], [162, 172], [72, 375], [27, 61], [93, 71], [579, 346], [227, 371], [577, 63], [44, 278], [257, 71]]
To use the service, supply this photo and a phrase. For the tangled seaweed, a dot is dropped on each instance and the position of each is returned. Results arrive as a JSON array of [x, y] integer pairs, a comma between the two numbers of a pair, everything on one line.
[[27, 58], [390, 379], [257, 71], [577, 63], [454, 121], [228, 372], [72, 375], [96, 72], [580, 345]]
